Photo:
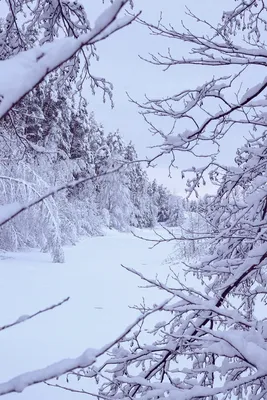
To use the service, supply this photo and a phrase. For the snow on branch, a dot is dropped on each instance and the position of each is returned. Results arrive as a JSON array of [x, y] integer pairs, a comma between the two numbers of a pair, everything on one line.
[[205, 114], [21, 73], [24, 318], [19, 383], [86, 359], [8, 213]]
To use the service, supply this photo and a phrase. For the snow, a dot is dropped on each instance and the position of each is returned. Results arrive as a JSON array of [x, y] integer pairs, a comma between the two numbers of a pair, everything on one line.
[[100, 291], [108, 15], [235, 343], [22, 318], [19, 74], [19, 383], [253, 91], [7, 210], [97, 313]]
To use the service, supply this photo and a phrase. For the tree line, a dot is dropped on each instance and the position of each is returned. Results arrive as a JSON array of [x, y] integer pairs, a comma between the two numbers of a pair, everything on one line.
[[50, 138], [212, 341]]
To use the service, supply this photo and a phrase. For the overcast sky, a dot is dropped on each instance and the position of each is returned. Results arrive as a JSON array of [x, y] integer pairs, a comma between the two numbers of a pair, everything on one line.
[[120, 64]]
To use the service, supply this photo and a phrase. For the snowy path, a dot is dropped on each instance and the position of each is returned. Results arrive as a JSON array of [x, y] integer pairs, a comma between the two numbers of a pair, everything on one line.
[[97, 312]]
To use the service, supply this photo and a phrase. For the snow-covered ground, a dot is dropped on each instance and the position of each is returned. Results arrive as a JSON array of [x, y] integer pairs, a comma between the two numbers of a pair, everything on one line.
[[98, 310]]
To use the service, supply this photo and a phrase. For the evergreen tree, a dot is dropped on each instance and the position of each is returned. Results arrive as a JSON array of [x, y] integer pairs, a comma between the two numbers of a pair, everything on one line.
[[47, 141], [176, 215]]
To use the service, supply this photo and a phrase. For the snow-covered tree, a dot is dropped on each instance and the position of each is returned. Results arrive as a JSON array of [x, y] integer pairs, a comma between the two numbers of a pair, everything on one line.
[[58, 141], [210, 341], [30, 49], [113, 191], [176, 211], [144, 211], [38, 132]]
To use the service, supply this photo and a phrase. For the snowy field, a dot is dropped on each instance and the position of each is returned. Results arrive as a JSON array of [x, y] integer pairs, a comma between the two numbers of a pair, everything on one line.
[[100, 293]]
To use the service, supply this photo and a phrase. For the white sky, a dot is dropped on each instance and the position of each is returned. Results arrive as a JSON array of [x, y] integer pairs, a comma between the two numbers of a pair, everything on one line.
[[120, 64]]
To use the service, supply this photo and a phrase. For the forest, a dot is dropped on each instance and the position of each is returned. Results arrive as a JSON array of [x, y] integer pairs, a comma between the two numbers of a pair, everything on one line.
[[80, 192], [48, 140]]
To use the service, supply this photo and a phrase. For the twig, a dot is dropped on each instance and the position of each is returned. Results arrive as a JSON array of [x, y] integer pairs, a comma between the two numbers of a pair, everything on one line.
[[24, 318]]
